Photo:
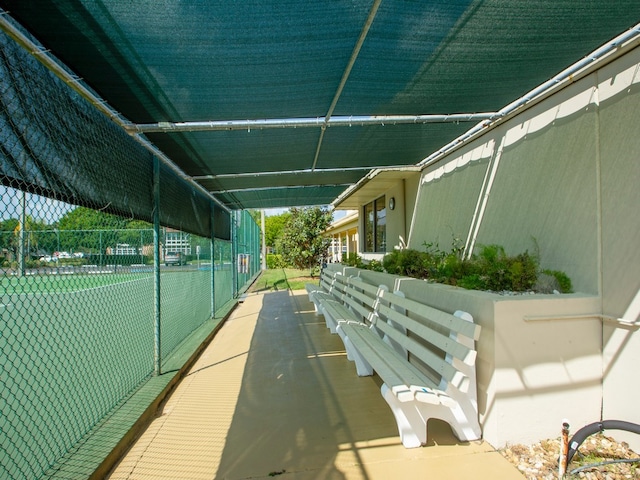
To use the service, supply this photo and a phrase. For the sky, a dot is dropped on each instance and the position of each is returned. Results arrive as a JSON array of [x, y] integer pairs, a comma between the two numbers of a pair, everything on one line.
[[40, 208]]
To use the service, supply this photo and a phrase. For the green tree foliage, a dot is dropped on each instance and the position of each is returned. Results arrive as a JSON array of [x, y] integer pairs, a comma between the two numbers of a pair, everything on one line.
[[35, 237], [8, 237], [86, 229], [82, 218], [302, 243], [274, 228]]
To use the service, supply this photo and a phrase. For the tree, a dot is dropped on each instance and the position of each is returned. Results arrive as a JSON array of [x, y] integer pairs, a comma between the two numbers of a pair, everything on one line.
[[34, 230], [302, 242], [274, 228], [92, 230]]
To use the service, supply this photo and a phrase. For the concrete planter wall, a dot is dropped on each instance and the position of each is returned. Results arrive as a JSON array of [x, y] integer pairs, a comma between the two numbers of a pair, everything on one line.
[[539, 356]]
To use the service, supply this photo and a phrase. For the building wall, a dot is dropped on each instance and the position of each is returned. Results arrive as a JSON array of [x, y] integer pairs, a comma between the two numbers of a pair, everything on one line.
[[619, 143], [396, 226], [561, 179]]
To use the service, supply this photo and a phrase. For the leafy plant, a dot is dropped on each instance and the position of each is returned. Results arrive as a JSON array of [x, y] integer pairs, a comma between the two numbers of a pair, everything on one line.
[[563, 280], [488, 269], [353, 260], [375, 265], [302, 243], [275, 261]]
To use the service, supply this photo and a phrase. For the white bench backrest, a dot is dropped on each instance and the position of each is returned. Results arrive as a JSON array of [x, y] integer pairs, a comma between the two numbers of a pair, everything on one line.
[[445, 343]]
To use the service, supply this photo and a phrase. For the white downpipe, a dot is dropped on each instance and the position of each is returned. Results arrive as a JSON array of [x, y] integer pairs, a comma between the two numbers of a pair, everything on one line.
[[493, 168], [470, 236]]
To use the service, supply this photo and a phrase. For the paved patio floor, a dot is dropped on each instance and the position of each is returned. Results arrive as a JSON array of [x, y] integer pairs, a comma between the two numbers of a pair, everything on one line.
[[274, 395]]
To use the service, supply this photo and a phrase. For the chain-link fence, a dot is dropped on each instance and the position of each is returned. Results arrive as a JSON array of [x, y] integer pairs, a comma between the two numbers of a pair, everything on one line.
[[109, 260], [78, 315]]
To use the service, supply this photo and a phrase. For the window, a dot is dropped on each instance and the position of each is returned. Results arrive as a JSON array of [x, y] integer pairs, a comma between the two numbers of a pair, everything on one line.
[[375, 226]]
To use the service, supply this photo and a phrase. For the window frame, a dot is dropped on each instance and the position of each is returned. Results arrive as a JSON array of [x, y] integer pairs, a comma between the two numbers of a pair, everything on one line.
[[374, 223]]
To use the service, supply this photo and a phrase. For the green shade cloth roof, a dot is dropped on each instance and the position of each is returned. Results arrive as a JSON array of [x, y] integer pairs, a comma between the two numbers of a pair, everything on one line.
[[174, 61]]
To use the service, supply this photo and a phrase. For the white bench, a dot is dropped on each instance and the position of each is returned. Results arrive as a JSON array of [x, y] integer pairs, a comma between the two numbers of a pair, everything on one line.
[[424, 356], [330, 286], [342, 298]]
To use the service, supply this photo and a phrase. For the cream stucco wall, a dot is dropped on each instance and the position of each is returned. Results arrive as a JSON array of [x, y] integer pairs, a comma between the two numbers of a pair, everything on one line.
[[397, 219], [560, 178]]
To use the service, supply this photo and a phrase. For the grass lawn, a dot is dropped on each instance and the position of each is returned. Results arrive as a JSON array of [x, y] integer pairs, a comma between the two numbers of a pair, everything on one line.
[[282, 279]]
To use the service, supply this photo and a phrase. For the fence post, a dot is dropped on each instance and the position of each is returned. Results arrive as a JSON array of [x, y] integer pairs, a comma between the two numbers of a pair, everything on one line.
[[213, 264], [234, 252], [157, 355], [22, 225]]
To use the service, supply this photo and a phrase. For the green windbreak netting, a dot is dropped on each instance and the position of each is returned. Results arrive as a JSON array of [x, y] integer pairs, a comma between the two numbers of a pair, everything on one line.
[[253, 60], [243, 151], [378, 146], [54, 143], [247, 240], [86, 277], [155, 62]]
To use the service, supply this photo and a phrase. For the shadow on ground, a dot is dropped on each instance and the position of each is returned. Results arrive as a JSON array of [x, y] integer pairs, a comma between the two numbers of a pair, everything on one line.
[[300, 403]]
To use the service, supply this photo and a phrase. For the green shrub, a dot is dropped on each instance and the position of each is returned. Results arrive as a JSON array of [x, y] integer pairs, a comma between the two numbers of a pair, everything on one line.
[[375, 265], [563, 280], [390, 262], [473, 282], [408, 262], [489, 269], [275, 261], [353, 260]]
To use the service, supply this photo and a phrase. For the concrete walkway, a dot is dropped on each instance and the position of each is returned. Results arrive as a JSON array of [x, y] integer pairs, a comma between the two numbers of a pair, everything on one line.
[[274, 395]]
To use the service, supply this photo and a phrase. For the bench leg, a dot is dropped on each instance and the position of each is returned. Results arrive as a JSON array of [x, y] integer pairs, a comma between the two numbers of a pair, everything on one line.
[[330, 322], [314, 301], [411, 418], [316, 310], [363, 368], [412, 427], [464, 424]]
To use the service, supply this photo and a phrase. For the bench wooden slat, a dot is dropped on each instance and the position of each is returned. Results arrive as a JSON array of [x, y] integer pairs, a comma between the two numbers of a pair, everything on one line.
[[370, 290], [338, 311], [407, 382], [439, 365], [362, 340], [362, 311], [437, 339], [395, 371], [447, 320]]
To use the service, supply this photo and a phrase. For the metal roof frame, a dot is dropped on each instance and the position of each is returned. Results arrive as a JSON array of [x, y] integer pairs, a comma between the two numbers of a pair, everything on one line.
[[381, 33]]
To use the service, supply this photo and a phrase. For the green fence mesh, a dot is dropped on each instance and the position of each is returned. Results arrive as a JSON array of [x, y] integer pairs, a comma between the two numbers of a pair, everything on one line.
[[108, 262], [78, 313]]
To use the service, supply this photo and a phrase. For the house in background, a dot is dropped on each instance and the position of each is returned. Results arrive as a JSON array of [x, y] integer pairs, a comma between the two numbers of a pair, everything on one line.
[[343, 233], [384, 202], [177, 241]]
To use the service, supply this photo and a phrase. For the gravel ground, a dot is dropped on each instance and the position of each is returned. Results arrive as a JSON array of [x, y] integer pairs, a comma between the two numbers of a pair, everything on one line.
[[540, 461]]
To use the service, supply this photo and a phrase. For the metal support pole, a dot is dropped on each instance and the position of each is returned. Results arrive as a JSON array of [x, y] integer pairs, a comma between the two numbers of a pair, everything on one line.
[[234, 252], [213, 265], [21, 228], [157, 353]]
